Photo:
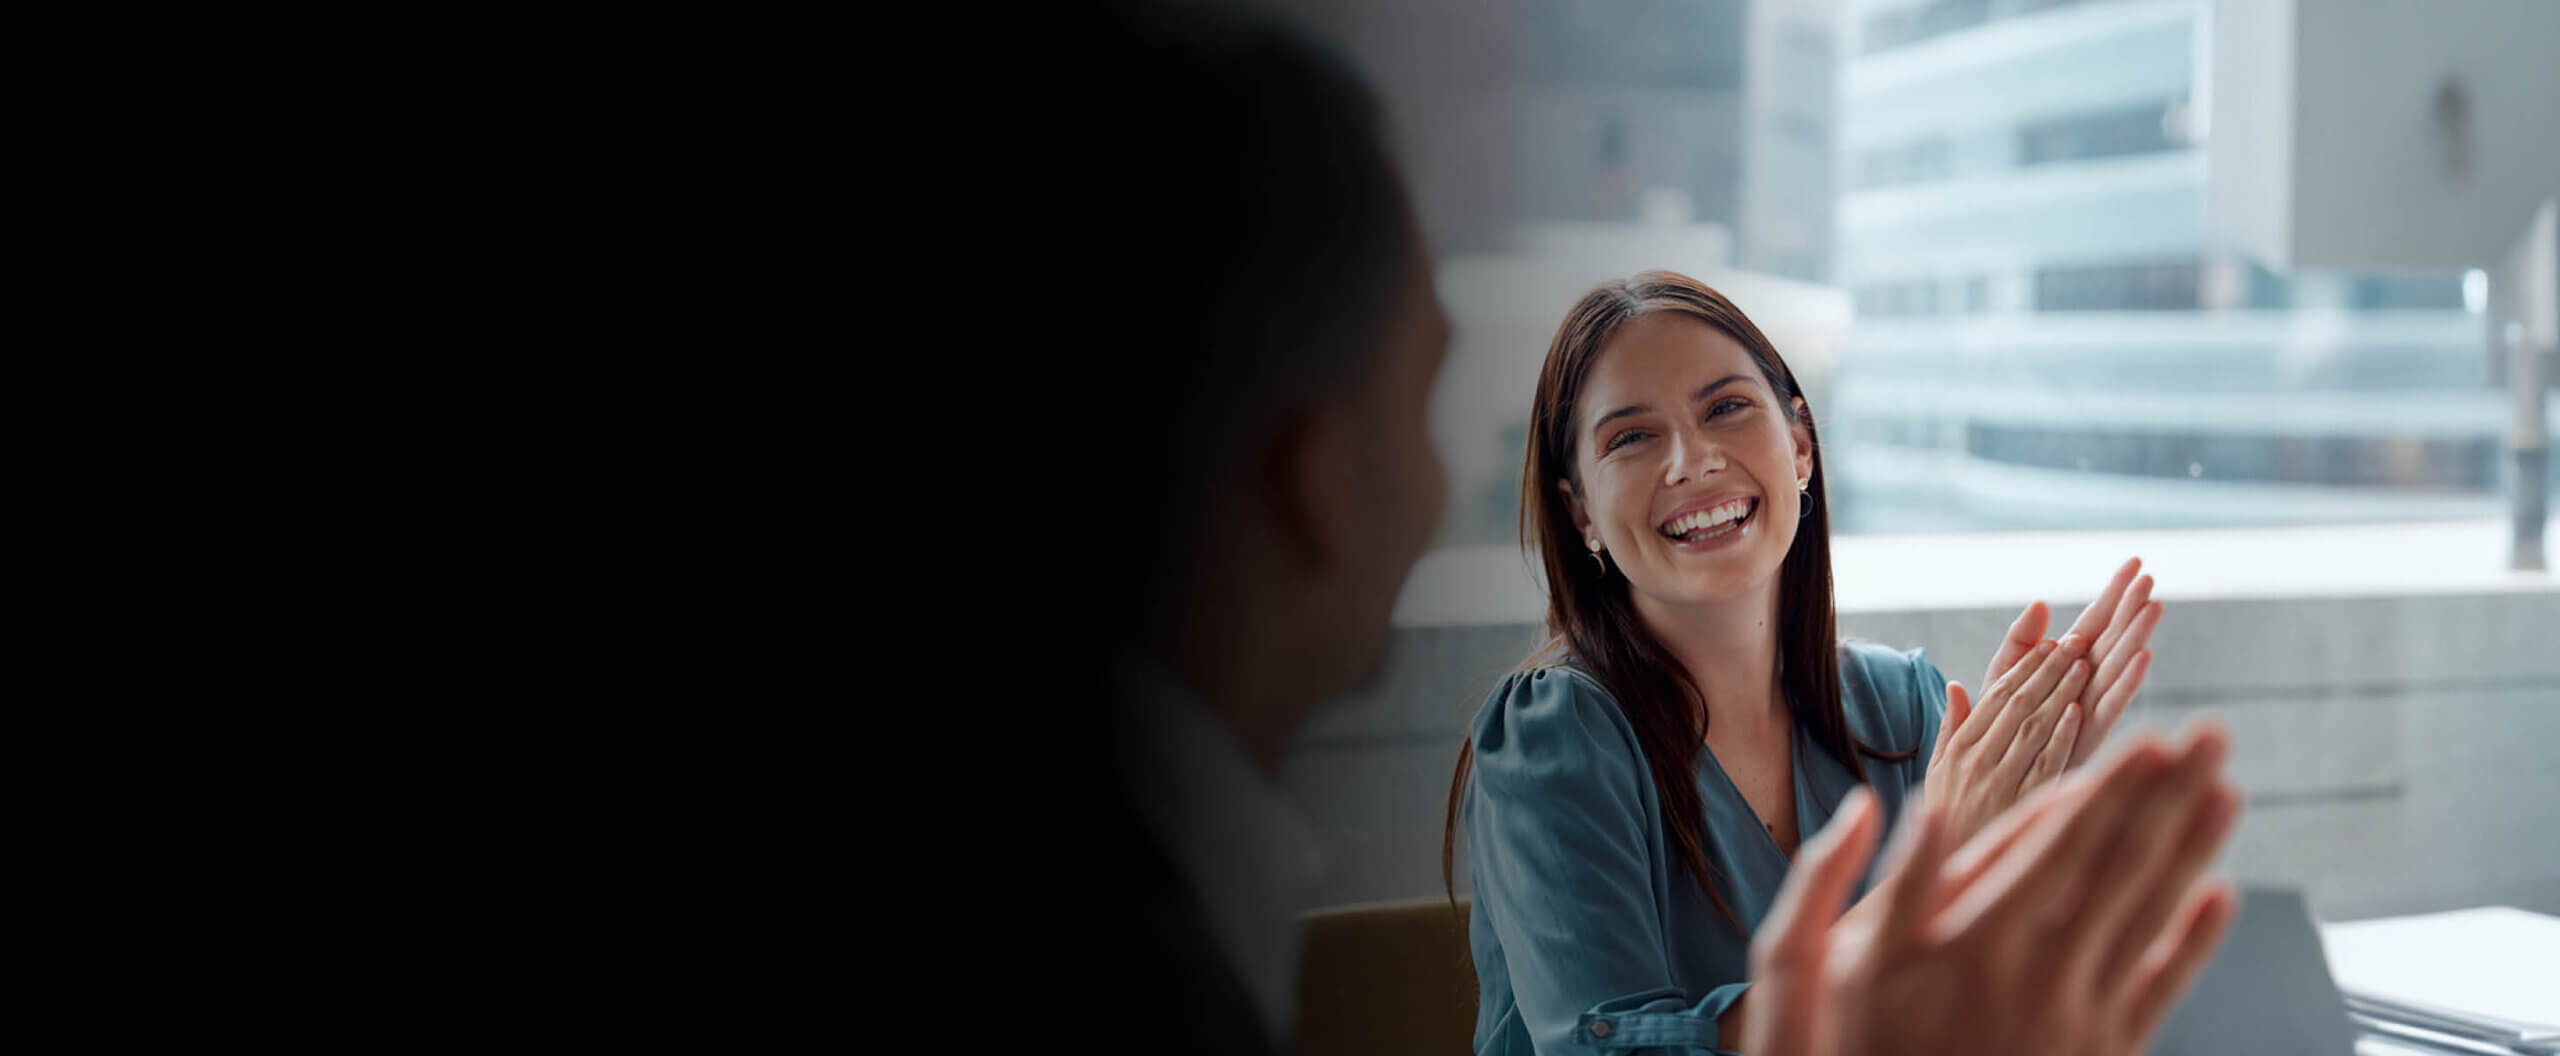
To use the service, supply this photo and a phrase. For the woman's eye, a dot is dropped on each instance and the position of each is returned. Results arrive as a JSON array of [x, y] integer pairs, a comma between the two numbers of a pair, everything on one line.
[[1723, 406], [1628, 437]]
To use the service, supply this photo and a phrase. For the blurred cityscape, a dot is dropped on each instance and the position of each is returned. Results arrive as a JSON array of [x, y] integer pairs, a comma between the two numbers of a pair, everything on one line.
[[1977, 229]]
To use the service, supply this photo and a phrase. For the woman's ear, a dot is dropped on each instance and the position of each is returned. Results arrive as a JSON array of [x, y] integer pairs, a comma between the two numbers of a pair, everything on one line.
[[1573, 505], [1800, 430]]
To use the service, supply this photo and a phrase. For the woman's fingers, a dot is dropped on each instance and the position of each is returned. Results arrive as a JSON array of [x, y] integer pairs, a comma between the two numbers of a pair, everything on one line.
[[2111, 707], [2024, 633], [2137, 598], [2114, 656], [2035, 735], [2031, 698], [2056, 755], [1959, 707], [2093, 620], [1995, 699]]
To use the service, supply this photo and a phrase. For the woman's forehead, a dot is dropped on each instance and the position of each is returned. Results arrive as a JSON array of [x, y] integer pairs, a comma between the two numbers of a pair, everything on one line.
[[1665, 348]]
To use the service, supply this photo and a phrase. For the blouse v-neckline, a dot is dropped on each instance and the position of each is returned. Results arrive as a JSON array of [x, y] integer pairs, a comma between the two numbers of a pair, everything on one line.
[[1797, 786]]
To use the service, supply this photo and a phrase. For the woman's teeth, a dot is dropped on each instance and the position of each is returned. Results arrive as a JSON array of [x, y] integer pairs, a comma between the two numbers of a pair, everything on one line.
[[1710, 522]]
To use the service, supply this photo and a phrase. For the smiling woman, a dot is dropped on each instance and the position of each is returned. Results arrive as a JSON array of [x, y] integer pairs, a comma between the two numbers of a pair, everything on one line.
[[1634, 794]]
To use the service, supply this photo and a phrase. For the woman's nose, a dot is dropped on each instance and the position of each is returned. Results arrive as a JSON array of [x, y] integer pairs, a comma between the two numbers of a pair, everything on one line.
[[1692, 457]]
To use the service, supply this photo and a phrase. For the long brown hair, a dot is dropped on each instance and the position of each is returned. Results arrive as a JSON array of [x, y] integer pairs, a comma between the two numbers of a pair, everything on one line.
[[1592, 620]]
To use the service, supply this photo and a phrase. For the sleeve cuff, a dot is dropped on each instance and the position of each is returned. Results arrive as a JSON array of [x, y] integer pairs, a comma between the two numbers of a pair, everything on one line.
[[1656, 1019]]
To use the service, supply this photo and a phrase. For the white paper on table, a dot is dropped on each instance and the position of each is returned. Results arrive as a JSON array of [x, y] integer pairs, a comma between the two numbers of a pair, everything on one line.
[[2494, 962]]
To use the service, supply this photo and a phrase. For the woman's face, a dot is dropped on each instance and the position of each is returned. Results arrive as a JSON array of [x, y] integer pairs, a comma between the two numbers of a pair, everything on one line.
[[1688, 462]]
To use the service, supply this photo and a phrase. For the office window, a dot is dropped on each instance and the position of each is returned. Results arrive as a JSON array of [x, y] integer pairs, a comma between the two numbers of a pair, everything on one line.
[[2149, 286], [1911, 25], [1918, 161], [2407, 463], [2144, 129]]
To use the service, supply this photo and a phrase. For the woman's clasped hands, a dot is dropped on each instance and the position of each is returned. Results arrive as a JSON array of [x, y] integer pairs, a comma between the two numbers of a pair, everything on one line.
[[2049, 705]]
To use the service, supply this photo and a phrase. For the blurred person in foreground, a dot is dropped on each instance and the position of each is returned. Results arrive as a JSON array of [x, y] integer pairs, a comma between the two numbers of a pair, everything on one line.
[[1253, 479]]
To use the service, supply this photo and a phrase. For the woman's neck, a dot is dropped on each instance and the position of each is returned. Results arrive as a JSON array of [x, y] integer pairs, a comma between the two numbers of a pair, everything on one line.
[[1730, 650]]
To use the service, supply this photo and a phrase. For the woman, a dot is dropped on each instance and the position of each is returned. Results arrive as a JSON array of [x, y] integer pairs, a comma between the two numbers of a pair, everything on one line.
[[1639, 787]]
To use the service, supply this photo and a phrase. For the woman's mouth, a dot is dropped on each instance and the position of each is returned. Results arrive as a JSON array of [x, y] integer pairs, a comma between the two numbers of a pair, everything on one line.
[[1712, 527]]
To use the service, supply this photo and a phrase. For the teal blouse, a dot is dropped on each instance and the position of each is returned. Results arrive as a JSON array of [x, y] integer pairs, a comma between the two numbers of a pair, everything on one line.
[[1588, 933]]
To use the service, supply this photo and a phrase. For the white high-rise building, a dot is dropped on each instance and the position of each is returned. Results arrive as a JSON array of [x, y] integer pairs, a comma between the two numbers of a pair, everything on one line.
[[2046, 335]]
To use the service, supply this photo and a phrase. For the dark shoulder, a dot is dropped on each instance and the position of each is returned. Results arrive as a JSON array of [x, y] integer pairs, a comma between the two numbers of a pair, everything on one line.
[[1163, 944]]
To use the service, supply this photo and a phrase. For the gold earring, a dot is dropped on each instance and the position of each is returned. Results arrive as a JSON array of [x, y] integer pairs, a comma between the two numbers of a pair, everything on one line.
[[1596, 558]]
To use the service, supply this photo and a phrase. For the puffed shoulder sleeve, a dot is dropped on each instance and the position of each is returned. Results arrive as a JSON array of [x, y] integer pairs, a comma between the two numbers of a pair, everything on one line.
[[1563, 828]]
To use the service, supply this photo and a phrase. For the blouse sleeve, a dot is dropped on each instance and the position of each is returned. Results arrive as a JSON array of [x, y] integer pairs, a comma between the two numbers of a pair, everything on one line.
[[1562, 824]]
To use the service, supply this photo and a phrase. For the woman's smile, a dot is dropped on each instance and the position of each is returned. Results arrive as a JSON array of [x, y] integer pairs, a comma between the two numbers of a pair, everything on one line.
[[1711, 523]]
